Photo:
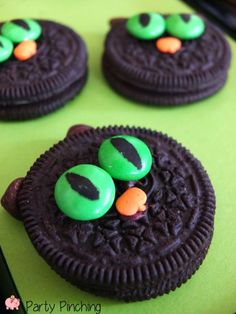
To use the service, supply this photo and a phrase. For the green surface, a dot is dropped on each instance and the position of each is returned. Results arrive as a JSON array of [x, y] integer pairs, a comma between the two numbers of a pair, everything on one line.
[[207, 128]]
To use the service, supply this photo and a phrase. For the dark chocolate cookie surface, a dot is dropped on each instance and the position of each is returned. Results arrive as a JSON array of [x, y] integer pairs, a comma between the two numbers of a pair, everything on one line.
[[138, 70], [115, 256], [55, 74]]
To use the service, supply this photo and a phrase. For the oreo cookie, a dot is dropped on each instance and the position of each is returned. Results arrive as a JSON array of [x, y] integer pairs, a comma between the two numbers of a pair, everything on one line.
[[129, 257], [46, 67], [165, 59]]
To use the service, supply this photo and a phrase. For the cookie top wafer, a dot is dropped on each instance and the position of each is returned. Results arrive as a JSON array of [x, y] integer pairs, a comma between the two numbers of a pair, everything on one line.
[[129, 257]]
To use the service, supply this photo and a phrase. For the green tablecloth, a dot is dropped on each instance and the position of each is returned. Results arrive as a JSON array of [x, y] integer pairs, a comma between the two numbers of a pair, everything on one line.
[[207, 128]]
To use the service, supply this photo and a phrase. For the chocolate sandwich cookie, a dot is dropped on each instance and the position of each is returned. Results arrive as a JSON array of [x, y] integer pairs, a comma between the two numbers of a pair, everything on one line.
[[123, 212], [43, 65], [165, 59]]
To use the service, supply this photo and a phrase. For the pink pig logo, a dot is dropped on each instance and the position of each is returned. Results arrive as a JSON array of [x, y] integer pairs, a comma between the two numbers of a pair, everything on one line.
[[12, 303]]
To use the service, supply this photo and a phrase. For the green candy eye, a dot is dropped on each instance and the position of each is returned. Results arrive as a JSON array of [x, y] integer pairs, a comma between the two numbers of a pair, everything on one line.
[[125, 157], [185, 26], [6, 48], [21, 30], [146, 26], [84, 192]]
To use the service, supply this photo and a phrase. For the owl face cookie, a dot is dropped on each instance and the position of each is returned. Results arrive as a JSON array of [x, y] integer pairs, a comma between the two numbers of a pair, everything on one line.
[[43, 65], [121, 212], [165, 59]]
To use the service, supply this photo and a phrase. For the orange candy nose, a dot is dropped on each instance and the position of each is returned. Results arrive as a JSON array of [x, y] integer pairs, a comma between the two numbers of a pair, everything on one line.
[[168, 44], [131, 201], [25, 50]]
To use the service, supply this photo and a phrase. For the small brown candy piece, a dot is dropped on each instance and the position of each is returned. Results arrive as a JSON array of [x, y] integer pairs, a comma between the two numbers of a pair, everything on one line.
[[78, 128], [116, 21], [8, 200]]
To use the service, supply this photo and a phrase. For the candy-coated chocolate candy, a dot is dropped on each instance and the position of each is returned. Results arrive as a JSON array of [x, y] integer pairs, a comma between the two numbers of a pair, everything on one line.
[[6, 48], [168, 44], [125, 157], [84, 192], [146, 26], [185, 26], [78, 129], [25, 50], [9, 199], [131, 202], [21, 30]]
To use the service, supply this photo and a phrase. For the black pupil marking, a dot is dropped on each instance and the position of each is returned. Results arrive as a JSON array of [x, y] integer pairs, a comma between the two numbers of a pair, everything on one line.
[[83, 186], [185, 17], [128, 151], [144, 19], [21, 23]]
